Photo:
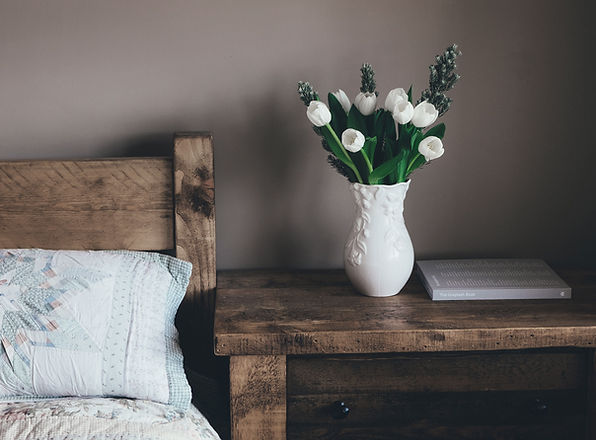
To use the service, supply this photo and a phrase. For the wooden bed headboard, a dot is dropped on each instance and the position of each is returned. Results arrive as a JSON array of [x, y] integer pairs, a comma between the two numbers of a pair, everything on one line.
[[151, 204]]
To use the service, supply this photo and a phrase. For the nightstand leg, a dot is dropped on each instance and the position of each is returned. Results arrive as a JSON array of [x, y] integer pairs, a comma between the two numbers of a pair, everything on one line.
[[591, 413], [258, 397]]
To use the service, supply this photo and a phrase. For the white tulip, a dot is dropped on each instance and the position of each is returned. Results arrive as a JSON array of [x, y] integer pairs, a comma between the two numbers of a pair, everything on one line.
[[431, 147], [402, 112], [318, 113], [343, 99], [352, 140], [394, 97], [424, 114], [366, 103]]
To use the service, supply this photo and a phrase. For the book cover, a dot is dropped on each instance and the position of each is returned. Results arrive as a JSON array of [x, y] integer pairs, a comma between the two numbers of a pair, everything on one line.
[[482, 279]]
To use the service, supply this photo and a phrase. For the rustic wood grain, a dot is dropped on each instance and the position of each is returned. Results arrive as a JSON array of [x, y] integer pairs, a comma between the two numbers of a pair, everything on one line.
[[195, 242], [130, 204], [285, 313], [333, 336], [195, 212], [591, 404], [87, 204], [428, 431], [279, 278], [501, 371], [258, 397], [451, 408]]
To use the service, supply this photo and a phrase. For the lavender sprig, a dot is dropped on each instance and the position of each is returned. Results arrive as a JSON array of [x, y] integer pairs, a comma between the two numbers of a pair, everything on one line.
[[442, 78], [367, 79], [307, 93]]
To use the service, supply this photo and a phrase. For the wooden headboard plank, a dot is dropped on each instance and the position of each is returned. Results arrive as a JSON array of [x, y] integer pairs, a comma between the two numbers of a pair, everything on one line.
[[128, 203], [194, 206], [87, 204]]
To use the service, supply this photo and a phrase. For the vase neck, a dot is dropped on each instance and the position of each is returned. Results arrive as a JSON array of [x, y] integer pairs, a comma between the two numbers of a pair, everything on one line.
[[370, 196]]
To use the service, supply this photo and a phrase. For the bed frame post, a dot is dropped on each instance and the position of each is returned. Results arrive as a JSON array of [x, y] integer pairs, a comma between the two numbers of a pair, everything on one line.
[[194, 238]]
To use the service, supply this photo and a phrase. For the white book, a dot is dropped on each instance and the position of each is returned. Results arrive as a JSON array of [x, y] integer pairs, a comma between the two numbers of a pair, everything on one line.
[[491, 279]]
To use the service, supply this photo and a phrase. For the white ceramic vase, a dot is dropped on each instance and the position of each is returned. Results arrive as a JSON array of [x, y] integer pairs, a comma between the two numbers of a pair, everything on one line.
[[379, 256]]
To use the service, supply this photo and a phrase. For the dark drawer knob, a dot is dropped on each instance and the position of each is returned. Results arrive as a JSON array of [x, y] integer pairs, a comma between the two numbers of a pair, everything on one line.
[[340, 410], [540, 406]]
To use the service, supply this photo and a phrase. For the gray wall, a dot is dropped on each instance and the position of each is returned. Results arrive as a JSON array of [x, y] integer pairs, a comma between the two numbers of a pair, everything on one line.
[[111, 78]]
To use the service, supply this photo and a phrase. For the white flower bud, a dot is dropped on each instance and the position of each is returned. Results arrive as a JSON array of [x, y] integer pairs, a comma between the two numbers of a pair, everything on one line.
[[352, 140], [366, 103], [431, 147], [403, 112], [343, 99], [394, 97], [424, 114], [318, 113]]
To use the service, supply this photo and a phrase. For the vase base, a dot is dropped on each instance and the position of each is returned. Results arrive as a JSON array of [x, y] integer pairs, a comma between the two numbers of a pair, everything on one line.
[[378, 295], [379, 284]]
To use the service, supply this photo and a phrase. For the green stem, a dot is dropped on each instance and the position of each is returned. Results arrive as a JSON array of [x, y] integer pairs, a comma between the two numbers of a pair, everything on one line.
[[341, 146], [367, 160], [408, 170]]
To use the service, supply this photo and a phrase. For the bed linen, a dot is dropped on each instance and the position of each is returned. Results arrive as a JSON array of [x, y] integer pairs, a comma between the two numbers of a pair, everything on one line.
[[95, 418], [91, 323]]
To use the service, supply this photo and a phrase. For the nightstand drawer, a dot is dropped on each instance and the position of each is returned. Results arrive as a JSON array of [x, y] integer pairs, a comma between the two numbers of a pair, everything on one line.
[[474, 395]]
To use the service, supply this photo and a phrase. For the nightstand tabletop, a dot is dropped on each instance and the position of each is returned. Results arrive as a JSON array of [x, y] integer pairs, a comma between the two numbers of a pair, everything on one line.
[[270, 312]]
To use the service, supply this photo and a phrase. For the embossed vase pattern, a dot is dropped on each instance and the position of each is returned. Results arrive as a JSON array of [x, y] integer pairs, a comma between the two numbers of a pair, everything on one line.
[[379, 256]]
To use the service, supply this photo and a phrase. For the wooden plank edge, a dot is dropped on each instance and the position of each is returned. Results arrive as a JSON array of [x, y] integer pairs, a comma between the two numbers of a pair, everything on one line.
[[591, 396], [89, 160], [194, 241], [382, 341]]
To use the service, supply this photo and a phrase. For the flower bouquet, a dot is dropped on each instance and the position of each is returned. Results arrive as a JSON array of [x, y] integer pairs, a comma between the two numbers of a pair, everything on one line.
[[383, 145], [377, 149]]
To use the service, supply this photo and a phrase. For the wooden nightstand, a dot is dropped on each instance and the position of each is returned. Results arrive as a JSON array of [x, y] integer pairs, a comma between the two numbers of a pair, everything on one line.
[[301, 343]]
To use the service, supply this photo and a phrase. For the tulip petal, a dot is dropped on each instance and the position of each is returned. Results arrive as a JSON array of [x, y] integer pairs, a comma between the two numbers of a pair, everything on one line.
[[352, 140], [318, 113]]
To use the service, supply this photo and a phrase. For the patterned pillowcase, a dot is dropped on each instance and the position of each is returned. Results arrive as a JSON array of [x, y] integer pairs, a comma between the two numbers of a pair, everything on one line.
[[91, 323]]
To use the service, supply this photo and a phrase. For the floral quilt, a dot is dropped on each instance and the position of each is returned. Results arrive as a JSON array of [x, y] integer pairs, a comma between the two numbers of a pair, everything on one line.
[[91, 323], [72, 418]]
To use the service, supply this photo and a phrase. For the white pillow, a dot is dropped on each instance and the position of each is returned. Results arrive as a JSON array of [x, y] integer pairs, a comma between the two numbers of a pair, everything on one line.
[[91, 323]]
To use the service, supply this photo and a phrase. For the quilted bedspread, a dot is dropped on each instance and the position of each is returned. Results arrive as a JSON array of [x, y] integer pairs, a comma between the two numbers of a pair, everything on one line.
[[100, 419]]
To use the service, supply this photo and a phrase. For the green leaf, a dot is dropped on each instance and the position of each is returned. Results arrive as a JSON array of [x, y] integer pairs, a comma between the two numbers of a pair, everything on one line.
[[390, 147], [438, 131], [360, 164], [421, 160], [390, 143], [369, 148], [401, 167], [338, 150], [379, 130], [383, 170], [418, 162], [415, 140], [370, 121], [356, 120], [388, 170], [339, 119], [403, 141], [390, 126], [379, 117], [335, 148], [402, 164], [410, 94], [381, 123]]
